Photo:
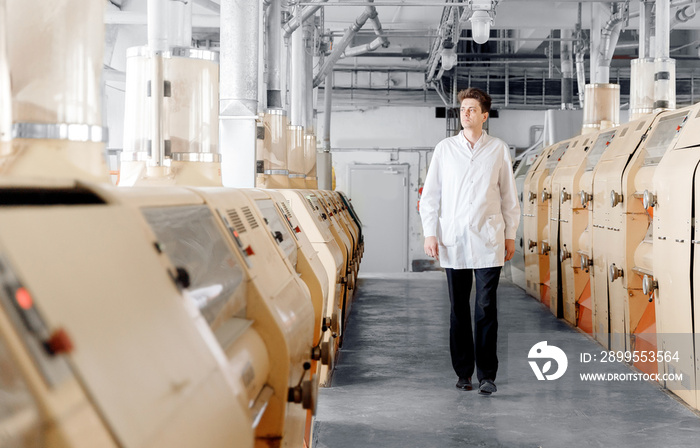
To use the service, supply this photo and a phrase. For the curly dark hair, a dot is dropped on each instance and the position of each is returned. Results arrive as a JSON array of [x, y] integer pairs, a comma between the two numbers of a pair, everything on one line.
[[482, 97]]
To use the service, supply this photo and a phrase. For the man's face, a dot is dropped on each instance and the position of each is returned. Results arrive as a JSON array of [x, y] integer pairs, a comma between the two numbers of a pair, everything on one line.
[[471, 115]]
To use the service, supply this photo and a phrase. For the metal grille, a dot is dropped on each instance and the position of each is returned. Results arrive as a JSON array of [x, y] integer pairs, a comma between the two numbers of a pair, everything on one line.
[[235, 220], [250, 218], [286, 210]]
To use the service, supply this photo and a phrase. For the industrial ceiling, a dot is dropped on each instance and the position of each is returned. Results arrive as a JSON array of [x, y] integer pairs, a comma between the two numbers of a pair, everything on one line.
[[520, 64]]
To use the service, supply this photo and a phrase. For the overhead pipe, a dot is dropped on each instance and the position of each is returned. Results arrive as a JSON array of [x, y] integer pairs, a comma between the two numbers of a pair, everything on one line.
[[370, 13], [180, 23], [362, 49], [665, 67], [580, 62], [567, 71], [310, 140], [158, 25], [308, 71], [297, 91], [274, 42], [238, 103], [642, 69], [609, 37], [298, 19], [646, 26], [324, 159]]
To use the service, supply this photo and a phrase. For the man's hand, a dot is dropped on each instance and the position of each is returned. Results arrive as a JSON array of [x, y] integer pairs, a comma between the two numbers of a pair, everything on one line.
[[510, 249], [431, 247]]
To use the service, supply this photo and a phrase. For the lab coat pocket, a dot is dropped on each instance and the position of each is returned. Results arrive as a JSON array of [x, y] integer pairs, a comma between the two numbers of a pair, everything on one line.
[[447, 232], [495, 228]]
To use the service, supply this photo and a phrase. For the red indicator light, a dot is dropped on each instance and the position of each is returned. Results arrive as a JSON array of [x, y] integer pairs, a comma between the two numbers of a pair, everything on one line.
[[24, 299], [235, 234], [678, 128]]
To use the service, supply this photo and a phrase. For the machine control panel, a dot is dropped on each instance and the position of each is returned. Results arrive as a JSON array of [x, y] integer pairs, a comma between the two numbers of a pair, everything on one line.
[[42, 343]]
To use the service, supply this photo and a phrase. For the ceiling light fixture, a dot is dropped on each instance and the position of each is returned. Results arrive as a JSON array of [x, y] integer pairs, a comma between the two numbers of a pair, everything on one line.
[[448, 56], [481, 19]]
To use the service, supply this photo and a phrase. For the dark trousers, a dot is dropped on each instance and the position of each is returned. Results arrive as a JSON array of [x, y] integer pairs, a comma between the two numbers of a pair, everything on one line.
[[464, 345]]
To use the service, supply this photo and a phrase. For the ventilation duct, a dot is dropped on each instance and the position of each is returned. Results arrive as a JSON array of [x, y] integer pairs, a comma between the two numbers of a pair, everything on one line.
[[665, 76], [238, 102], [370, 13]]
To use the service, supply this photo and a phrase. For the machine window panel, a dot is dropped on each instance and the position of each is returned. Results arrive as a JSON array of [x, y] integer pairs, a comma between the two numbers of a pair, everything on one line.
[[661, 137], [192, 240], [598, 149], [554, 158], [280, 231]]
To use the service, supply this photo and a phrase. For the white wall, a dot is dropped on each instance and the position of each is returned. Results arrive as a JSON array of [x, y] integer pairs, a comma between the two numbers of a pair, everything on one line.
[[513, 126], [387, 135], [385, 127]]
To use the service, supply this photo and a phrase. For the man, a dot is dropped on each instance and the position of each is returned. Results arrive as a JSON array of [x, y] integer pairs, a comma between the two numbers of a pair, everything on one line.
[[470, 213]]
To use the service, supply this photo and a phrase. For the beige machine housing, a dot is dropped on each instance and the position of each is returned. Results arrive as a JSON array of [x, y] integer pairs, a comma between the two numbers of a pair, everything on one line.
[[142, 355], [317, 228]]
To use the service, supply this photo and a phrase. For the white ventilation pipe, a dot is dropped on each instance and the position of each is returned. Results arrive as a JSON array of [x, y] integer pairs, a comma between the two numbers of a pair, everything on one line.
[[646, 25], [158, 25], [180, 23], [297, 92], [567, 71], [274, 42], [665, 67], [308, 78], [642, 69], [370, 13], [609, 37], [324, 158], [663, 29], [238, 103]]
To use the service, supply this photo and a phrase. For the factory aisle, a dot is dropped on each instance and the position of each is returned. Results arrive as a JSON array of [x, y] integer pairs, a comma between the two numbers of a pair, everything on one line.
[[394, 385]]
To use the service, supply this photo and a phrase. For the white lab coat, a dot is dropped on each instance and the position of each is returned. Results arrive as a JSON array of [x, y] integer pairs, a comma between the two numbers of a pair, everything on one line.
[[470, 202]]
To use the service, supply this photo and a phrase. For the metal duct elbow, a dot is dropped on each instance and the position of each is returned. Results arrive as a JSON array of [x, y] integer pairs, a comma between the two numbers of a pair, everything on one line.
[[362, 49], [296, 21], [343, 44], [610, 34], [377, 26]]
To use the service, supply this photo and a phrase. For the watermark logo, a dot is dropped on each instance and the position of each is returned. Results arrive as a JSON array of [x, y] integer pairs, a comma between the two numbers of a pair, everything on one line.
[[552, 353]]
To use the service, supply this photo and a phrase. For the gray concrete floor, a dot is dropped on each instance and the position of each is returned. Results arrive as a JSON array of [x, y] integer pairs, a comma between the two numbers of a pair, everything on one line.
[[394, 385]]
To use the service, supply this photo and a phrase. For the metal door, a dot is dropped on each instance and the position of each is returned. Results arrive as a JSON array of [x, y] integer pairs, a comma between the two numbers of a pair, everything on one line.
[[379, 194]]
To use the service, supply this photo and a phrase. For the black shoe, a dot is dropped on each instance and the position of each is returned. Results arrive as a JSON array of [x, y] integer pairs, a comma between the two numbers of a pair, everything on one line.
[[487, 387], [464, 384]]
